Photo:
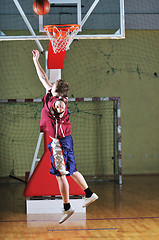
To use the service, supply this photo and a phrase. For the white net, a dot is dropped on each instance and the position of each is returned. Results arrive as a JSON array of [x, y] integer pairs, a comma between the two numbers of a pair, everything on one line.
[[61, 36]]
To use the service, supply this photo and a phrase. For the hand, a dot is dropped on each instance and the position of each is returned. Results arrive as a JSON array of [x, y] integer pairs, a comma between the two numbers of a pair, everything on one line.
[[35, 54]]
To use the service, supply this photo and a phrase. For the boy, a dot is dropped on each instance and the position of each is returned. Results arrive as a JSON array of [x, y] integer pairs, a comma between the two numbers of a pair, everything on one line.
[[55, 121]]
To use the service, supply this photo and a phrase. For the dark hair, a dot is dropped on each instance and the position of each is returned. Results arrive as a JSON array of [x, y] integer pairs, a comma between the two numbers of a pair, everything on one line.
[[62, 88]]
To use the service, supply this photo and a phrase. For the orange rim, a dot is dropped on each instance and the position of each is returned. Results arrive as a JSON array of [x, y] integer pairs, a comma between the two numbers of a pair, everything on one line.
[[63, 28]]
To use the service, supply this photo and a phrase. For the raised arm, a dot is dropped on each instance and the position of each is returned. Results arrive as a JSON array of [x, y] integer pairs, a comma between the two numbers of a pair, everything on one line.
[[41, 73]]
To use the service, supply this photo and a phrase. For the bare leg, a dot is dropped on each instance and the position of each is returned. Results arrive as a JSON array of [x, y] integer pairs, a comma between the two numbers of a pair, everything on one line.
[[78, 177], [81, 181], [64, 188]]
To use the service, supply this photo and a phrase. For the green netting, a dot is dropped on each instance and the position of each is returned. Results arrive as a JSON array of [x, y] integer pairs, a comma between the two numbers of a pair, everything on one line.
[[92, 131], [19, 133]]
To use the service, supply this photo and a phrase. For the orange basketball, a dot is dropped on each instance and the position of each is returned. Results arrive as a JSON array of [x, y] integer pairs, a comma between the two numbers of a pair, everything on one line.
[[41, 7]]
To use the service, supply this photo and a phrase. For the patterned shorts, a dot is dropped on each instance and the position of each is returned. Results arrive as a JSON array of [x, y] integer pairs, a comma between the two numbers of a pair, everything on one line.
[[62, 156]]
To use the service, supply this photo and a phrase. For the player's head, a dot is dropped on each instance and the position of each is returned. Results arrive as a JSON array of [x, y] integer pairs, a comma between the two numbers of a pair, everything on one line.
[[61, 87]]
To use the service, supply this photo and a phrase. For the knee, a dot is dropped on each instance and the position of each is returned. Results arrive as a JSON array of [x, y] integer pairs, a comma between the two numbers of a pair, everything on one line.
[[61, 178]]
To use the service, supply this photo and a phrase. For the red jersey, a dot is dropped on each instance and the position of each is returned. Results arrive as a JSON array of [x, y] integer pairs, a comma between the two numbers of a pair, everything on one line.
[[50, 121]]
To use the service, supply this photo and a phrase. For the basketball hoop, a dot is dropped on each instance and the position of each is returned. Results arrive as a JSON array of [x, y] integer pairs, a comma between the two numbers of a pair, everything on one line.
[[61, 36]]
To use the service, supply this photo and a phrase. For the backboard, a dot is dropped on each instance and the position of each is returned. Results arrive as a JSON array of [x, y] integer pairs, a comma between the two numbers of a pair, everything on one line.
[[99, 19]]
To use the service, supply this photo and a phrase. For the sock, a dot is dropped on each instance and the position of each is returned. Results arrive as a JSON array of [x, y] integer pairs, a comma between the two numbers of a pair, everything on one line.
[[66, 206], [88, 192]]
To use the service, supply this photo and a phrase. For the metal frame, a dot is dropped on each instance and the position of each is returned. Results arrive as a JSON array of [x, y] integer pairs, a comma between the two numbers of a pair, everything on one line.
[[120, 34], [28, 24]]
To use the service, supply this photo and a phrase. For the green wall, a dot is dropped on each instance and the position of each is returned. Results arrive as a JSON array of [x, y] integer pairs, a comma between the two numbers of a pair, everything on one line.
[[126, 68]]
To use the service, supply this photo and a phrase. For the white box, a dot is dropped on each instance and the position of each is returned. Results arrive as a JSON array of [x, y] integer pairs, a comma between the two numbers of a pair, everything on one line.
[[44, 205]]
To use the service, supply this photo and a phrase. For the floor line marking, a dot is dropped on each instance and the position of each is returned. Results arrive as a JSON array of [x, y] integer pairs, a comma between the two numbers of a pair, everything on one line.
[[85, 219], [121, 218], [81, 229]]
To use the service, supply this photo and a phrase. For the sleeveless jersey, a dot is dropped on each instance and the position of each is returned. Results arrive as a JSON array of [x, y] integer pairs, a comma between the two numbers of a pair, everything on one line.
[[50, 122]]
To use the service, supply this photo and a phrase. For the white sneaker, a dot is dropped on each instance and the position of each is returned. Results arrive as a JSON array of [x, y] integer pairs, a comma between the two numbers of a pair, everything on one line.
[[66, 215], [89, 200]]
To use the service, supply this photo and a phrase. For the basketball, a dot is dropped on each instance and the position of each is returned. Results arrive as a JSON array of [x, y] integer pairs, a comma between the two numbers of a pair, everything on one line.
[[41, 7]]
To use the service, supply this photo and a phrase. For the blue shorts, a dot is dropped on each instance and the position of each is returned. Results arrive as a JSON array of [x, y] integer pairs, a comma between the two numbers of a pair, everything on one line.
[[66, 145]]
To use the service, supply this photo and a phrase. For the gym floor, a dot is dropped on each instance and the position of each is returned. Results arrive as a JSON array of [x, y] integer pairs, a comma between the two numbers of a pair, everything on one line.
[[130, 211]]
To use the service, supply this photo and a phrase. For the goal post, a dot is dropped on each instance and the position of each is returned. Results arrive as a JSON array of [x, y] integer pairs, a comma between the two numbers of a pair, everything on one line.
[[105, 115], [96, 131]]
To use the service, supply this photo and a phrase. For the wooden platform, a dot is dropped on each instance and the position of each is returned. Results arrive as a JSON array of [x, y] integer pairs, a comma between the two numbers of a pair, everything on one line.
[[128, 212]]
